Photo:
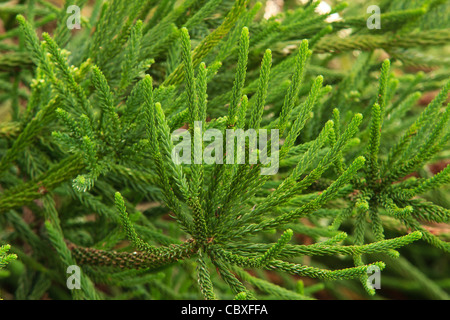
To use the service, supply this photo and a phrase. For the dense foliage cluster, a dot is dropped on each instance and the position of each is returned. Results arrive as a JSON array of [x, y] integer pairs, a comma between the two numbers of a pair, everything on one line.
[[86, 170]]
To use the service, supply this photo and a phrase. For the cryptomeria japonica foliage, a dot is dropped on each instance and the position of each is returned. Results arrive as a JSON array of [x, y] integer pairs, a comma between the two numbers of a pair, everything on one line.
[[87, 174]]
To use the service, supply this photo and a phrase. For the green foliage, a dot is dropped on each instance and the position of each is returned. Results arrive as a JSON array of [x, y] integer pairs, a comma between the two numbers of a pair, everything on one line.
[[87, 173], [6, 258]]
